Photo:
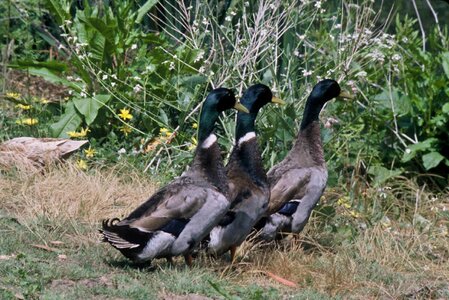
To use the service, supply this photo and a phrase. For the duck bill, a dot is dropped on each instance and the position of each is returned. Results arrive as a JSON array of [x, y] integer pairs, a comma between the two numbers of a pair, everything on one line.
[[346, 95], [277, 100], [238, 106]]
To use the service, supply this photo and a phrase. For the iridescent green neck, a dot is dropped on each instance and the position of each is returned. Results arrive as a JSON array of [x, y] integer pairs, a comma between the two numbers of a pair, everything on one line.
[[245, 124], [207, 123], [311, 112]]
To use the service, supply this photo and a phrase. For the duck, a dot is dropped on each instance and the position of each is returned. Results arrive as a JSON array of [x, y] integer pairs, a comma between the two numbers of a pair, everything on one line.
[[299, 180], [248, 183], [179, 215]]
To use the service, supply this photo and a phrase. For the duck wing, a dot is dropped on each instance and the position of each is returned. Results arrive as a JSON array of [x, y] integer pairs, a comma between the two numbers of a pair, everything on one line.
[[287, 185]]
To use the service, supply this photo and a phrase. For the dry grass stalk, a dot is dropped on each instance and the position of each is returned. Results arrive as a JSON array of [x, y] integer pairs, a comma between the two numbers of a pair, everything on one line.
[[65, 193]]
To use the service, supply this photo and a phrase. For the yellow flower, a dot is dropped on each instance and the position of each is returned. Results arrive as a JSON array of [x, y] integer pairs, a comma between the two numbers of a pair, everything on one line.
[[75, 134], [13, 95], [44, 100], [27, 121], [24, 107], [81, 164], [72, 134], [195, 125], [344, 201], [90, 152], [125, 129], [124, 114], [193, 144], [164, 131], [354, 214], [84, 132]]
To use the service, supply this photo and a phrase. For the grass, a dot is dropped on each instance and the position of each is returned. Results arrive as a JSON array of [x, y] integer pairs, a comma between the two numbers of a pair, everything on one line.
[[50, 249]]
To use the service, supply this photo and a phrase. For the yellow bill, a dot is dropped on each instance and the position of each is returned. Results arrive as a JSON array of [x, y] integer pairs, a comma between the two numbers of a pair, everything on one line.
[[239, 106], [277, 100], [346, 95]]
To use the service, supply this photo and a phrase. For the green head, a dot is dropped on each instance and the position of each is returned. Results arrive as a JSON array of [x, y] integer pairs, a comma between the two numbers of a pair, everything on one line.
[[254, 98], [322, 92], [216, 102]]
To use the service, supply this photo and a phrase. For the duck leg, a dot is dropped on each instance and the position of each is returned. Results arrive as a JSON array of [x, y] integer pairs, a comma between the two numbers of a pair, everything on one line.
[[233, 250], [170, 260], [189, 259]]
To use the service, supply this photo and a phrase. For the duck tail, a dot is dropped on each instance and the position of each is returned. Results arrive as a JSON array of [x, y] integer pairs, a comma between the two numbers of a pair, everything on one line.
[[123, 237]]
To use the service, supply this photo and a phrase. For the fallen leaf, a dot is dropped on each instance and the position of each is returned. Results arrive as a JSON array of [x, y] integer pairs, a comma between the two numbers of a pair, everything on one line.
[[280, 279]]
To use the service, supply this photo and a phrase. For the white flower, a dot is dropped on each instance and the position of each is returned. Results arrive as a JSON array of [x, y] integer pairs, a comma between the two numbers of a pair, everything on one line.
[[104, 77], [396, 57], [201, 70], [296, 53], [133, 46], [405, 40], [337, 26], [172, 66], [114, 76], [408, 150], [233, 13], [83, 94], [306, 73], [121, 151], [199, 56], [246, 3], [318, 4], [302, 37], [137, 88], [113, 84], [228, 18]]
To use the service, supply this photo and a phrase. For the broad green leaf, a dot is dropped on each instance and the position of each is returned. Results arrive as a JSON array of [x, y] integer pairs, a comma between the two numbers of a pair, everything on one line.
[[412, 150], [382, 174], [69, 121], [52, 77], [163, 116], [49, 65], [144, 9], [400, 101], [431, 160], [446, 108], [89, 107], [445, 62], [107, 30], [60, 9]]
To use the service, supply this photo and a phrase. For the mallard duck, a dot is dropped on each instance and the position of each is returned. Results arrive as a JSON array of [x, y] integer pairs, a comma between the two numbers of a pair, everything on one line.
[[249, 189], [298, 181], [182, 213]]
